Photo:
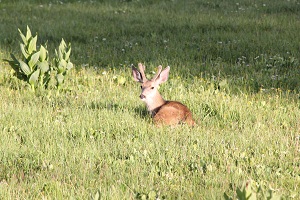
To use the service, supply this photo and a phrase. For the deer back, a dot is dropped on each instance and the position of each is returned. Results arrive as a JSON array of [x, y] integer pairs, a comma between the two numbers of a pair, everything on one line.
[[172, 113]]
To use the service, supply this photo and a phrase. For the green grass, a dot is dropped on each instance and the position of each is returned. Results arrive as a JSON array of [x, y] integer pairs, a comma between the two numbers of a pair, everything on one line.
[[236, 66]]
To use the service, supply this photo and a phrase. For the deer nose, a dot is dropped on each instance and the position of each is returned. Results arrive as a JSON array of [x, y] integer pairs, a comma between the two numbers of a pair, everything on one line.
[[142, 96]]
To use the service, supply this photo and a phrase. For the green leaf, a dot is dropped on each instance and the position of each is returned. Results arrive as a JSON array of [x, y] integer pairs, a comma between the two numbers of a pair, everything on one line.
[[60, 78], [33, 60], [43, 54], [62, 45], [60, 55], [56, 54], [32, 45], [121, 80], [62, 66], [61, 49], [226, 197], [24, 52], [23, 37], [34, 77], [97, 196], [28, 34], [67, 55], [24, 67], [69, 66], [43, 66]]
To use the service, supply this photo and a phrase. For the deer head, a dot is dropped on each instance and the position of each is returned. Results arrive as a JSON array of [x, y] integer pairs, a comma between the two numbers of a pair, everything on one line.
[[150, 94]]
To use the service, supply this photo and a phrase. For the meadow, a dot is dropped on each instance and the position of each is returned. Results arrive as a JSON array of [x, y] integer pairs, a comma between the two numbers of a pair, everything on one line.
[[235, 64]]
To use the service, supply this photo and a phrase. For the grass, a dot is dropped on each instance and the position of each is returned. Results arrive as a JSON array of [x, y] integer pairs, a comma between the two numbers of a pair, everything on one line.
[[236, 66]]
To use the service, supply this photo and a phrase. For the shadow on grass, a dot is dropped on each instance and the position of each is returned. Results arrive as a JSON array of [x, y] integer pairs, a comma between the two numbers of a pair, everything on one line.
[[107, 106], [142, 112], [139, 111]]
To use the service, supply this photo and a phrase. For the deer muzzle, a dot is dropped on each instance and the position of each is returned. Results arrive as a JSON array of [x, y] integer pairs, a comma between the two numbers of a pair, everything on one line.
[[142, 96]]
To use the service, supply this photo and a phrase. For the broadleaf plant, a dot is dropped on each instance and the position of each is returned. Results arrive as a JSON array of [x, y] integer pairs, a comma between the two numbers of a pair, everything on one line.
[[34, 66], [62, 63], [29, 67]]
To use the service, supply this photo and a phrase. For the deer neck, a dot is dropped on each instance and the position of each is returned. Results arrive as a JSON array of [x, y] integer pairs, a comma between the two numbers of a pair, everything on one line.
[[154, 103]]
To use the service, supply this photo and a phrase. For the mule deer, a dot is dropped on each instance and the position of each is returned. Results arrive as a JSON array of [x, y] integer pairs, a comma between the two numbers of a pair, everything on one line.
[[163, 112]]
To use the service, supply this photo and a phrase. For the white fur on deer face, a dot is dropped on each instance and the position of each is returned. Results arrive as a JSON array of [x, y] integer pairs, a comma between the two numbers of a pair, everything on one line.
[[150, 94], [149, 91]]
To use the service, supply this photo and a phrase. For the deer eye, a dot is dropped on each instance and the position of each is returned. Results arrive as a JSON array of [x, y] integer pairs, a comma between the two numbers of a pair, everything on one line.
[[141, 87], [152, 88]]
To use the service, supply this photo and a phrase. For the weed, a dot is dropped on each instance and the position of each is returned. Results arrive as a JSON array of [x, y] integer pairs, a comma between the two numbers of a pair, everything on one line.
[[35, 68]]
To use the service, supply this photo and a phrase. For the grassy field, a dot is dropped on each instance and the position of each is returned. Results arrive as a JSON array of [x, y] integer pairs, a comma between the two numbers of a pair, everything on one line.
[[235, 64]]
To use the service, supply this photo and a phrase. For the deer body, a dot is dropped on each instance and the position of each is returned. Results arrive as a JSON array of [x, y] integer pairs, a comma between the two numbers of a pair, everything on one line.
[[162, 111]]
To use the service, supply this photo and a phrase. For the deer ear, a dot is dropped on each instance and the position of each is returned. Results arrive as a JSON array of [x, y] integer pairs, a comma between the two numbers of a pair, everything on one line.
[[163, 76], [137, 76]]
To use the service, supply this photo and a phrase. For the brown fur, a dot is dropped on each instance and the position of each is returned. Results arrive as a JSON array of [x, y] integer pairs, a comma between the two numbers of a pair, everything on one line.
[[172, 113]]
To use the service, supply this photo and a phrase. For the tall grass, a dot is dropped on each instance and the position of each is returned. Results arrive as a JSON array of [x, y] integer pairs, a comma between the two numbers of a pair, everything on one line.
[[235, 64]]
